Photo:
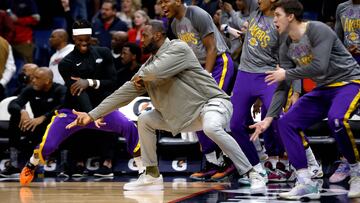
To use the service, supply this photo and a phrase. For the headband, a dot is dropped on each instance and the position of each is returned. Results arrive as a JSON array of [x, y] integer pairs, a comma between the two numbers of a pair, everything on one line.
[[82, 31]]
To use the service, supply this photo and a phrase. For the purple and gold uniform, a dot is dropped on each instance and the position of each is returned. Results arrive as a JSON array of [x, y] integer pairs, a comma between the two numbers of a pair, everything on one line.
[[347, 25], [96, 64], [321, 56], [258, 56]]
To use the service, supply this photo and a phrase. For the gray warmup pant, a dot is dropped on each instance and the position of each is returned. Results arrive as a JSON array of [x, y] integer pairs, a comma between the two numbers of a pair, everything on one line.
[[214, 117]]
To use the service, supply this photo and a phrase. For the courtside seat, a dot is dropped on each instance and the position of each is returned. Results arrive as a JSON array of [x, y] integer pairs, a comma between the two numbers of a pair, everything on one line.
[[320, 133], [175, 141], [5, 118]]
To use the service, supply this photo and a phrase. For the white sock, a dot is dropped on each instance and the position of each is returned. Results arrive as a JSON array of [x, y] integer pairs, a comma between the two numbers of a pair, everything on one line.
[[139, 164], [311, 158], [273, 161], [259, 168], [257, 145], [304, 176], [34, 161], [355, 169], [211, 157]]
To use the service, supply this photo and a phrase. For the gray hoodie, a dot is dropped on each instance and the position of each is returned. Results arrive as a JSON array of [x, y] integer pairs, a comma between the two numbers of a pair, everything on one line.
[[177, 84]]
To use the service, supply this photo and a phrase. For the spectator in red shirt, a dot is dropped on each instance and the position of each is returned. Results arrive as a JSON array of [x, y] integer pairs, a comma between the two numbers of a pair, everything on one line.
[[135, 33], [6, 26], [25, 15]]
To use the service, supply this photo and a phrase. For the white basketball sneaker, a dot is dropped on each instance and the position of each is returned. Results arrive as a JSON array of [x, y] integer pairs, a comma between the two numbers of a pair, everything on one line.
[[146, 182], [354, 191]]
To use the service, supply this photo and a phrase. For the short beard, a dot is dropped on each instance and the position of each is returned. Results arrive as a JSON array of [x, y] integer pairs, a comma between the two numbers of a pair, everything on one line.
[[150, 48]]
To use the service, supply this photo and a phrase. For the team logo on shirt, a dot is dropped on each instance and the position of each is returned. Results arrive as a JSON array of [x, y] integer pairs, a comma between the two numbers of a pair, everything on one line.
[[188, 37], [351, 25], [62, 115], [353, 36], [99, 60], [301, 53], [253, 42], [258, 35]]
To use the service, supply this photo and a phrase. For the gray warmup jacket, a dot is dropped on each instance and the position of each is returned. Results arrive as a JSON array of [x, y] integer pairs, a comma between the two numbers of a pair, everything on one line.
[[177, 85]]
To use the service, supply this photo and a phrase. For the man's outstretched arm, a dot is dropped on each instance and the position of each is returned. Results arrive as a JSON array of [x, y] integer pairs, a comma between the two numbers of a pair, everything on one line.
[[121, 97]]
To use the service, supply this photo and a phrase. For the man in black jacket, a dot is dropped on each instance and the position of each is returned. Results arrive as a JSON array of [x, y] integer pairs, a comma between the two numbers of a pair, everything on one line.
[[44, 97]]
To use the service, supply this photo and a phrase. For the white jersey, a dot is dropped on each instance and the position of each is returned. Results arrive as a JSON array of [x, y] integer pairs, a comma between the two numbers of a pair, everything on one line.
[[55, 60]]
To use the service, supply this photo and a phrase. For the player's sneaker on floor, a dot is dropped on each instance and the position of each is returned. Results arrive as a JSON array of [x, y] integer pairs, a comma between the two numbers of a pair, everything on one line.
[[281, 174], [64, 171], [225, 170], [79, 171], [316, 171], [301, 192], [27, 174], [278, 176], [146, 182], [209, 170], [262, 155], [104, 171], [10, 171], [244, 180], [223, 173], [341, 173], [268, 166], [257, 182], [354, 191]]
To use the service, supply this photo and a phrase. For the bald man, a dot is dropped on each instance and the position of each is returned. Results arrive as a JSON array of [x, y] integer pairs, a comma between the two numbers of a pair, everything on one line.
[[24, 77], [44, 97], [59, 41], [118, 39]]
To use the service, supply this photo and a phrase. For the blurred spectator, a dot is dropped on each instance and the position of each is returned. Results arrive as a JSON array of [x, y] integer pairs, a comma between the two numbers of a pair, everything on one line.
[[59, 41], [131, 62], [106, 22], [237, 20], [118, 40], [148, 7], [128, 7], [25, 15], [25, 77], [347, 26], [209, 6], [140, 20], [44, 97], [159, 14], [68, 17], [135, 33], [51, 14], [7, 65], [6, 26], [216, 19], [79, 9]]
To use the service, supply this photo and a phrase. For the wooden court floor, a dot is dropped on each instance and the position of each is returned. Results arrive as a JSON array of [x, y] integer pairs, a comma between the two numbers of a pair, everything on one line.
[[51, 190], [177, 189]]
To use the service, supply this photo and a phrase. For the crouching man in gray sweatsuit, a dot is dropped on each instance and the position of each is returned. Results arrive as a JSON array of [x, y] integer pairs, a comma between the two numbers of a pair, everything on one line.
[[186, 98]]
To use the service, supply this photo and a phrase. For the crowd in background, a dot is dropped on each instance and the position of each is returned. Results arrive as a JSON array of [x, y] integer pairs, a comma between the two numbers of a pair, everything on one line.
[[37, 33]]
